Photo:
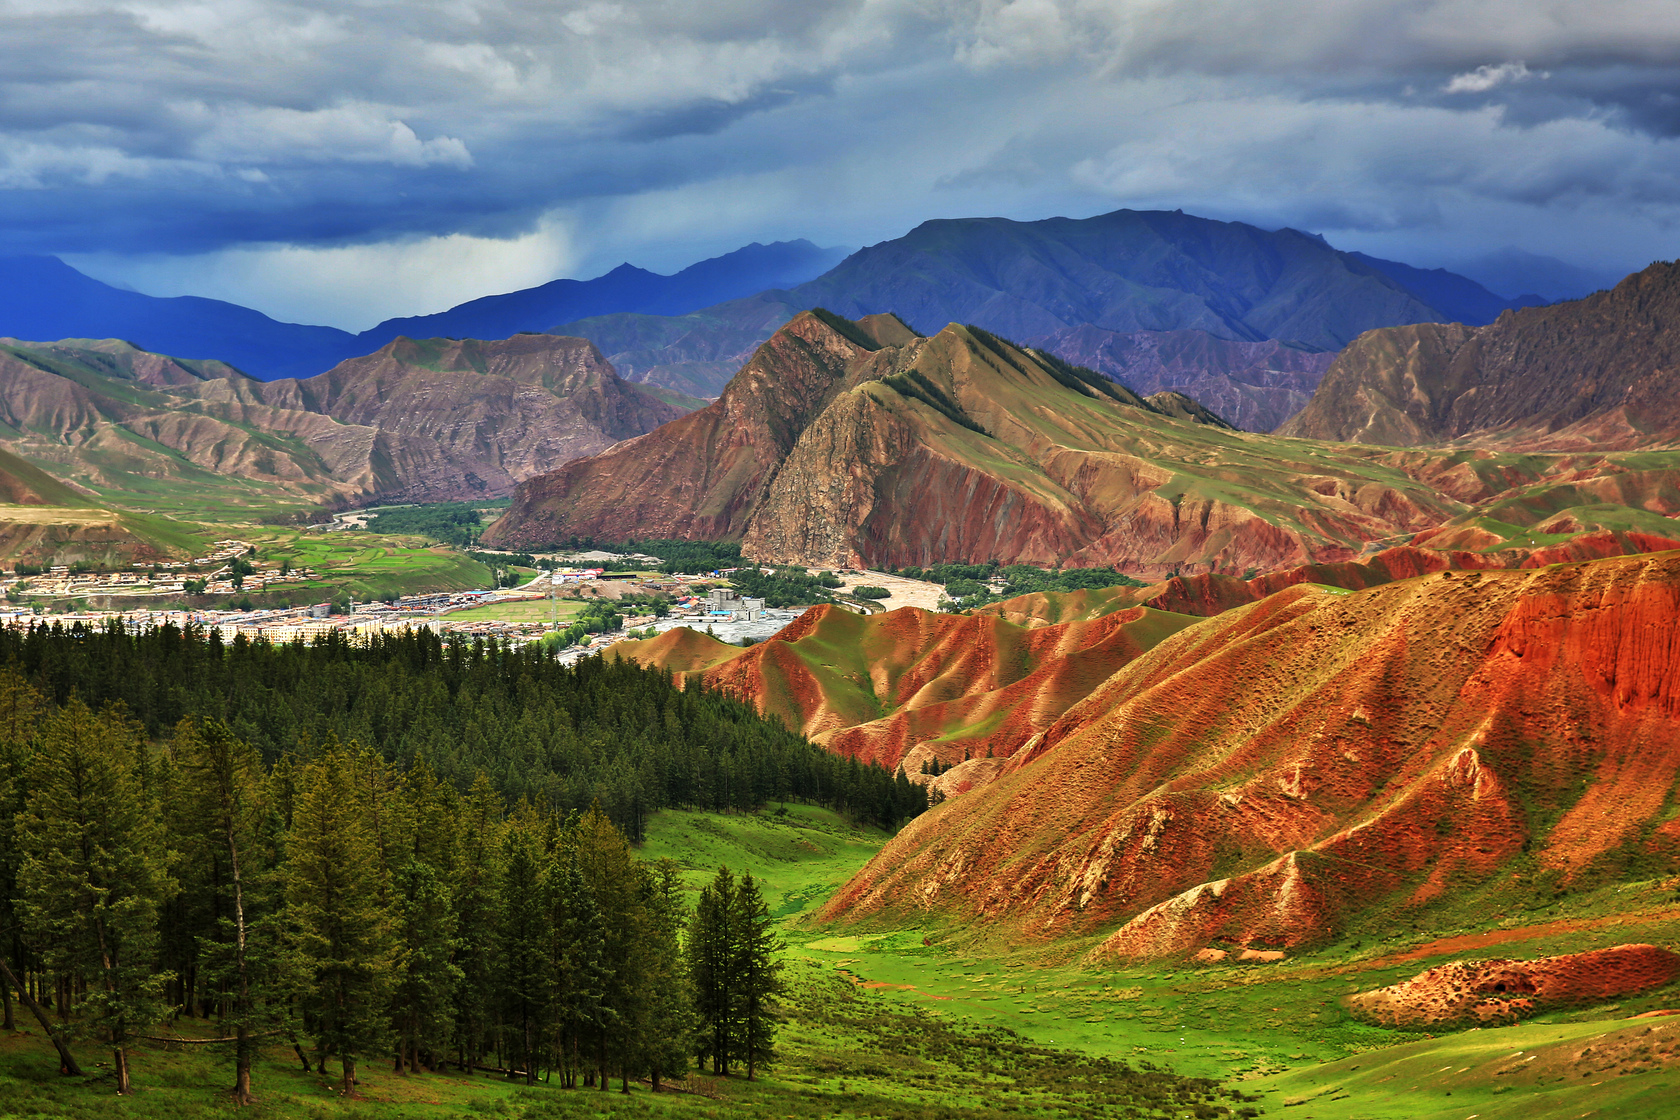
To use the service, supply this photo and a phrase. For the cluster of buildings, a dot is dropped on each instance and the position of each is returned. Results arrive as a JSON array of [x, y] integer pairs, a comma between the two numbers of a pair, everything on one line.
[[163, 578], [718, 611]]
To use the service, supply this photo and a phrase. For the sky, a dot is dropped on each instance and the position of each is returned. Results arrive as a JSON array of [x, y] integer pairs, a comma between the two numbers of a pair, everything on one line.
[[341, 162]]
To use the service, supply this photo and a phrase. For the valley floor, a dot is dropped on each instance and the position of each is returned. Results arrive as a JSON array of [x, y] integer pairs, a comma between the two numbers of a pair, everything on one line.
[[932, 1022]]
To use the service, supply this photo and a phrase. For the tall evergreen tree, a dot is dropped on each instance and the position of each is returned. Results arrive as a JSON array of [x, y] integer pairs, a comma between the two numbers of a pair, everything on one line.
[[222, 782], [425, 979], [524, 937], [710, 963], [424, 908], [579, 965], [93, 872], [755, 974], [667, 1035], [342, 951], [476, 892], [21, 708], [604, 860]]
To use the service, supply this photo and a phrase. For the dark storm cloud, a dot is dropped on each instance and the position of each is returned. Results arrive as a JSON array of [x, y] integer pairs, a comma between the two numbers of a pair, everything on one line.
[[656, 128]]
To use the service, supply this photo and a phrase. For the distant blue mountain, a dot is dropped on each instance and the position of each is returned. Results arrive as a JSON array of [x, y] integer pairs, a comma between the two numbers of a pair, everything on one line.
[[626, 288], [44, 299], [1514, 271], [1459, 298]]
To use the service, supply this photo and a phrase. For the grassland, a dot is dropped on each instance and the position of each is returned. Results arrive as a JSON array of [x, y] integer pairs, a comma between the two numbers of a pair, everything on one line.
[[368, 565], [519, 611]]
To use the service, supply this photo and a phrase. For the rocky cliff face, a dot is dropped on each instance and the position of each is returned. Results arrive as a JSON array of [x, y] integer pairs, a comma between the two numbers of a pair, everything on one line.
[[417, 421], [1272, 775], [1592, 374], [847, 444]]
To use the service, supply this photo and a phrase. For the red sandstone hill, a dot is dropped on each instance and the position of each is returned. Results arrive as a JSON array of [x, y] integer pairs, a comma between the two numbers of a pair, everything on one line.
[[912, 686], [1320, 759], [1595, 373], [1211, 593], [861, 443]]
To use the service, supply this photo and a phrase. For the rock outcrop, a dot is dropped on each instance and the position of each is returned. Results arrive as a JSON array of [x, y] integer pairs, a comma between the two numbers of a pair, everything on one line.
[[1596, 373], [1278, 772], [1474, 993]]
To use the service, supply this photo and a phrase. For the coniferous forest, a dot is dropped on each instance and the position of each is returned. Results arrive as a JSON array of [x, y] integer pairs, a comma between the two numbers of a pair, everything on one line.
[[605, 734], [353, 906]]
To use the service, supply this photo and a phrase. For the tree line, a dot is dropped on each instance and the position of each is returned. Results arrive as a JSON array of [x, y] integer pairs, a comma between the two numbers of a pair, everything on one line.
[[351, 908], [611, 734]]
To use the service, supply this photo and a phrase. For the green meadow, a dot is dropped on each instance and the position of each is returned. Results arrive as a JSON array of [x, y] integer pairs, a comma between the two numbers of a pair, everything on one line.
[[367, 565], [930, 1022]]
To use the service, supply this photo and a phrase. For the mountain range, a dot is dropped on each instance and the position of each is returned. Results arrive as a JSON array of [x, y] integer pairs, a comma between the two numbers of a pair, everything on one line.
[[862, 442], [416, 421], [848, 443], [1054, 281], [1124, 272], [1319, 763], [44, 298]]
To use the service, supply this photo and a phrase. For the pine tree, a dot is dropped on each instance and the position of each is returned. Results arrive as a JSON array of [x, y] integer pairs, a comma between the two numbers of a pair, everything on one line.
[[424, 907], [604, 860], [476, 892], [21, 708], [668, 1026], [342, 951], [426, 978], [580, 973], [93, 872], [524, 937], [755, 974], [222, 782], [709, 969]]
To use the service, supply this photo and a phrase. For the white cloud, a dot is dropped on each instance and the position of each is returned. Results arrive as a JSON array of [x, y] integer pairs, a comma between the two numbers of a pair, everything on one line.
[[1484, 78], [353, 132], [32, 165]]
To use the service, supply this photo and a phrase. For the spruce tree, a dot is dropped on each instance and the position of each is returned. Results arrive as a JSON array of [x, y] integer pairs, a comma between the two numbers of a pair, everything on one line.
[[220, 780], [342, 951], [21, 708], [424, 909], [668, 1025], [426, 977], [609, 871], [476, 892], [580, 1013], [93, 872], [755, 974], [524, 937], [710, 963]]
